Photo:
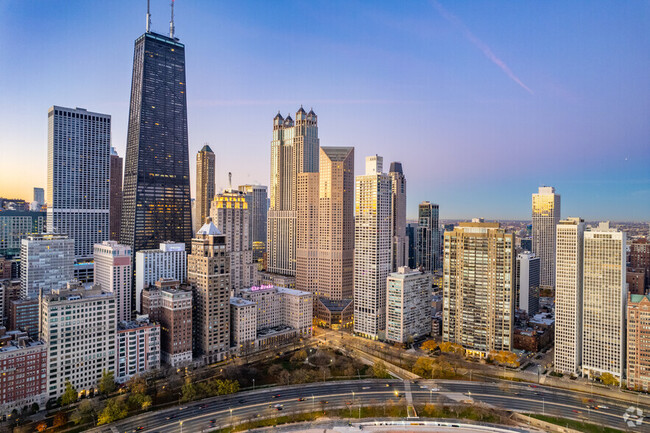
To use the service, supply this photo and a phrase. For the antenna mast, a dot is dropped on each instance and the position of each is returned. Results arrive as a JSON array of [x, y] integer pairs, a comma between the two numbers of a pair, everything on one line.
[[230, 181], [171, 23], [148, 18]]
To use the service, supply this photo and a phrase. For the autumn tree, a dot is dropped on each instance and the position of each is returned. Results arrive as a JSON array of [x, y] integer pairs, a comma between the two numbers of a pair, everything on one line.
[[60, 419], [608, 379], [70, 395], [42, 426], [429, 345], [114, 410], [380, 371]]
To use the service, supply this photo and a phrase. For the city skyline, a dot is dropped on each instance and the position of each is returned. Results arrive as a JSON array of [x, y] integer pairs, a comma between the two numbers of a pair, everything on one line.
[[552, 91]]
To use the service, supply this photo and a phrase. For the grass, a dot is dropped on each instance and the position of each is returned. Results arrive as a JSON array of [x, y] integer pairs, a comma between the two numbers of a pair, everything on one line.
[[576, 425]]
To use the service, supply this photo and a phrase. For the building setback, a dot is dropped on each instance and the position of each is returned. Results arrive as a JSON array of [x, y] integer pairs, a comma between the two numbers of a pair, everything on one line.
[[478, 287], [46, 263], [408, 305], [113, 273], [169, 261], [204, 184], [638, 342], [117, 171], [546, 216]]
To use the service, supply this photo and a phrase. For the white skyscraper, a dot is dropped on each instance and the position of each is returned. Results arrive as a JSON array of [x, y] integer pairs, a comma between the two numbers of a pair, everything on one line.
[[568, 295], [605, 295], [113, 273], [546, 215], [169, 261], [408, 305], [46, 262], [372, 252], [78, 172]]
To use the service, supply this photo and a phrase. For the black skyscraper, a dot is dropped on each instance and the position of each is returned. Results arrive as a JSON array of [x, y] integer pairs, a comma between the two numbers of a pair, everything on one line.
[[157, 203]]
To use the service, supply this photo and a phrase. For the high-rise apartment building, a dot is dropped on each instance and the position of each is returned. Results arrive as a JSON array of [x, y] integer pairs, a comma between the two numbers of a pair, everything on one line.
[[546, 216], [408, 305], [208, 271], [157, 200], [39, 196], [638, 342], [78, 175], [307, 232], [603, 302], [117, 171], [46, 263], [568, 295], [411, 235], [398, 216], [243, 324], [478, 287], [205, 185], [114, 274], [15, 226], [372, 248], [428, 237], [231, 216], [138, 348], [258, 206], [79, 326], [639, 258], [168, 261], [527, 283], [294, 150]]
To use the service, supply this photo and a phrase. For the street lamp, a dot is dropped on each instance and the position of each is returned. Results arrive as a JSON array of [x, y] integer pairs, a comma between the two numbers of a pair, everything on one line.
[[231, 418], [253, 384], [181, 423]]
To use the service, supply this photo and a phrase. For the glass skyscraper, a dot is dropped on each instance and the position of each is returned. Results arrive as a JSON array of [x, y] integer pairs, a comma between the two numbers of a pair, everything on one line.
[[157, 203]]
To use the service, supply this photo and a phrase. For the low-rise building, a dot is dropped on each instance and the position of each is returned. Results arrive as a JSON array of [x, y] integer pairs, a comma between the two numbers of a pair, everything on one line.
[[138, 348]]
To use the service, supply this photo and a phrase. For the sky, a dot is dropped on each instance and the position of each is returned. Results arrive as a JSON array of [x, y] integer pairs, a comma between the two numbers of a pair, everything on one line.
[[481, 101]]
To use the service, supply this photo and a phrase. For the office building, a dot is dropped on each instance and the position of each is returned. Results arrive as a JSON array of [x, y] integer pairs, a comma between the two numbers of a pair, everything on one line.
[[546, 216], [478, 287], [78, 176], [23, 367], [113, 273], [638, 342], [117, 170], [527, 283], [17, 225], [39, 196], [258, 206], [398, 216], [138, 348], [205, 185], [231, 216], [294, 150], [603, 302], [208, 271], [23, 315], [568, 295], [79, 327], [427, 248], [157, 200], [372, 248], [526, 244], [408, 305], [46, 263], [411, 234], [168, 261], [307, 232]]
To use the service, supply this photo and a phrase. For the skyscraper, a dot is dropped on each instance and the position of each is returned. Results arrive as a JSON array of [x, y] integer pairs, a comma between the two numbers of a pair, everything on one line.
[[478, 287], [546, 216], [294, 150], [603, 303], [307, 233], [428, 237], [117, 164], [208, 271], [231, 215], [156, 205], [204, 184], [568, 295], [258, 206], [398, 216], [39, 196], [372, 248], [78, 170], [527, 283], [113, 273]]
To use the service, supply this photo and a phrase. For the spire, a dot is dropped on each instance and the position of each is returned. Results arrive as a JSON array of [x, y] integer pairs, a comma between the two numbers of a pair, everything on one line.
[[148, 18], [171, 23]]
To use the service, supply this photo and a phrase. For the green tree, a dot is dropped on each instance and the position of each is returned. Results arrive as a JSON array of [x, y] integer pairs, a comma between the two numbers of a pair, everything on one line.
[[114, 410], [70, 395], [188, 391], [107, 384], [139, 401], [380, 371], [84, 413]]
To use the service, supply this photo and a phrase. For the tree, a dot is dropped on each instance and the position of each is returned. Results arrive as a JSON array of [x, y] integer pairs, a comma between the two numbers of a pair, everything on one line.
[[84, 413], [137, 385], [60, 419], [115, 409], [423, 367], [608, 379], [188, 391], [429, 345], [106, 384], [299, 357], [139, 401], [380, 371], [70, 395], [42, 426]]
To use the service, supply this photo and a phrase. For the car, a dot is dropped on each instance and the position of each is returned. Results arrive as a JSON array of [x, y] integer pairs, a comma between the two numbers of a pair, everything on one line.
[[603, 407], [324, 402], [423, 387], [387, 385], [276, 396], [348, 403], [301, 399], [172, 416], [576, 411], [202, 406], [533, 386], [366, 387], [435, 389], [278, 408], [212, 421], [139, 428]]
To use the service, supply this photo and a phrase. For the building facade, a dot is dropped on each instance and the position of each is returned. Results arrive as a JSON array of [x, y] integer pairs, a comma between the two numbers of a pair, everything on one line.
[[294, 150], [138, 348], [168, 261], [408, 305], [398, 216], [243, 324], [46, 263], [23, 315], [258, 206], [39, 196], [568, 295], [603, 302], [16, 226], [372, 248], [205, 185], [639, 257], [478, 287], [428, 237], [638, 342], [307, 232], [546, 216], [79, 327], [157, 200], [527, 283], [115, 187], [23, 375], [113, 273]]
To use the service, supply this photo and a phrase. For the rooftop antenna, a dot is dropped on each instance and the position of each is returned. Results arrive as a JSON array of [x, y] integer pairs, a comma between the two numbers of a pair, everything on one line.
[[148, 18], [171, 23], [230, 181]]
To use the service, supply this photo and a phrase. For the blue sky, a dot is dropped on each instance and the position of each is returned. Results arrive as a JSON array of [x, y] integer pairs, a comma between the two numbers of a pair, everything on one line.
[[482, 102]]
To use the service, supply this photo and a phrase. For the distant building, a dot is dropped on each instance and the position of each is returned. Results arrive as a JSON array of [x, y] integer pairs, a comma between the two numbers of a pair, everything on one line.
[[39, 196], [427, 237], [16, 226], [639, 257], [168, 261], [113, 273], [411, 234], [638, 344], [527, 244], [546, 216], [636, 281], [398, 216], [24, 316], [204, 184], [138, 348], [46, 262], [527, 282], [257, 199], [408, 305], [117, 168]]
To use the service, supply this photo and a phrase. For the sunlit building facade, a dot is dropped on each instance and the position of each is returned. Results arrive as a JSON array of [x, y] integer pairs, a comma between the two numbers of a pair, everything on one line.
[[205, 185], [546, 215]]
